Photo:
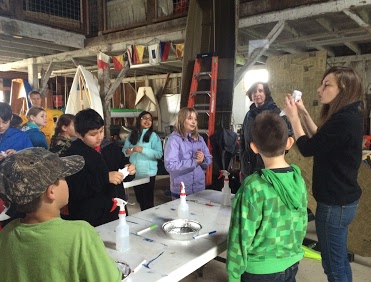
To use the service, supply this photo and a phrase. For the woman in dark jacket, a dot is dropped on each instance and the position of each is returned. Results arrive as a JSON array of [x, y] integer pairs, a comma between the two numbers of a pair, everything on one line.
[[261, 97], [336, 147]]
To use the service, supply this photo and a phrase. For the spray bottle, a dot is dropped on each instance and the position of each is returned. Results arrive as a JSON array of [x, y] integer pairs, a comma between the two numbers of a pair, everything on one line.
[[122, 229], [226, 190], [183, 208]]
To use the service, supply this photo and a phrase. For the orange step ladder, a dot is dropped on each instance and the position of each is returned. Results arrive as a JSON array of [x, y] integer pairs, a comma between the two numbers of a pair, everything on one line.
[[210, 93]]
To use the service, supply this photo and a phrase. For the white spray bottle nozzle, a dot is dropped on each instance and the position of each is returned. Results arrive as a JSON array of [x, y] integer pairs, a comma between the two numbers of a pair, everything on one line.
[[119, 202], [223, 173], [183, 208], [182, 189]]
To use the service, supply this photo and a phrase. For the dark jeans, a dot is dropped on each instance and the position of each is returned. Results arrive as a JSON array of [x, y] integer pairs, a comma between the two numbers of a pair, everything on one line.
[[145, 194], [287, 275], [332, 230]]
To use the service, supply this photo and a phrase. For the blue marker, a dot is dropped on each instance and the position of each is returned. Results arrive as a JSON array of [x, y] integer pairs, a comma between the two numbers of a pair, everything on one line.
[[204, 235]]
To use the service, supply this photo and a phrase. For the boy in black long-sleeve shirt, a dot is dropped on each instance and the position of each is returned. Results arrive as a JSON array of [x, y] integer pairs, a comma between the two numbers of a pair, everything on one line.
[[92, 189]]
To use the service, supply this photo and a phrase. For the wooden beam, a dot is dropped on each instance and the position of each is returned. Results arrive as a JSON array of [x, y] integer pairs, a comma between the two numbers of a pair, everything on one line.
[[344, 59], [28, 43], [273, 34], [331, 28], [33, 75], [92, 51], [329, 51], [357, 19], [302, 12], [19, 28], [364, 15], [149, 77], [117, 81], [104, 84], [45, 78], [161, 92], [336, 40]]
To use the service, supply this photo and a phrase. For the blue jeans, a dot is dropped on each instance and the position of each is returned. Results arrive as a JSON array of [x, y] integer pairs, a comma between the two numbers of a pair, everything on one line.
[[287, 275], [332, 231]]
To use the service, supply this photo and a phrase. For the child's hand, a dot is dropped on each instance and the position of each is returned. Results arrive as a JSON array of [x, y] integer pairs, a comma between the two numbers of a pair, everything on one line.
[[129, 151], [131, 169], [9, 152], [199, 157], [115, 177], [138, 149], [2, 155]]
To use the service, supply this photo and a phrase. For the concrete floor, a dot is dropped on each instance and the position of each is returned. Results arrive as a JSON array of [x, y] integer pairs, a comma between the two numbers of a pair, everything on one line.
[[309, 270]]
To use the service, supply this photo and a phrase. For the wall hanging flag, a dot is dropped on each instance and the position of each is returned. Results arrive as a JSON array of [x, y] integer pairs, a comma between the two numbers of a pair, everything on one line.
[[154, 53], [179, 50], [103, 61], [138, 54], [129, 51], [165, 49], [118, 62]]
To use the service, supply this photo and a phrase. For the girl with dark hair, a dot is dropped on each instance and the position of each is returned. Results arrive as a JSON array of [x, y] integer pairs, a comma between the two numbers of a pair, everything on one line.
[[336, 147], [144, 148], [11, 139], [63, 134]]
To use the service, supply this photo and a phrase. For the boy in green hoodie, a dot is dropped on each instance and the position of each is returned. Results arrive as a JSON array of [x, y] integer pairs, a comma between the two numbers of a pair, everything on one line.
[[269, 212]]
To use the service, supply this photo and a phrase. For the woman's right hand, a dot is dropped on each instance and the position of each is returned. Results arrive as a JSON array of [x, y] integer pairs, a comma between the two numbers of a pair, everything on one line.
[[300, 106], [291, 109], [129, 151]]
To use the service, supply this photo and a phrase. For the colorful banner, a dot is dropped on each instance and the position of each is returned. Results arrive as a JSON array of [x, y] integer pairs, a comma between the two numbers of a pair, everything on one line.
[[118, 62], [154, 53], [129, 51], [165, 49], [103, 61], [179, 50], [138, 54]]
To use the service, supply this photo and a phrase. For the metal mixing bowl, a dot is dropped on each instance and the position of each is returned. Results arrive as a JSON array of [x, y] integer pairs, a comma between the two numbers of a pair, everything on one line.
[[181, 229]]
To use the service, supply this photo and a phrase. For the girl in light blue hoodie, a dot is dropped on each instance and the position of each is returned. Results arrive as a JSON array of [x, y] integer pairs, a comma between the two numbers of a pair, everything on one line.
[[144, 148]]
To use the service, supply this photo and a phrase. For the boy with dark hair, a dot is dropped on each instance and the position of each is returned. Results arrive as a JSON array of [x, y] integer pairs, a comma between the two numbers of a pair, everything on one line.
[[269, 213], [92, 189], [42, 246]]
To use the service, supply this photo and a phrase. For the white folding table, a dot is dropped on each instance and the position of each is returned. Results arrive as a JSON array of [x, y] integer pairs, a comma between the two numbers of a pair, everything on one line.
[[136, 181], [167, 259]]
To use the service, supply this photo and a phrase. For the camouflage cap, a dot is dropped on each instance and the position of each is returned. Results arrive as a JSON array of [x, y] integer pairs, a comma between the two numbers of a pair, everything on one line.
[[27, 174]]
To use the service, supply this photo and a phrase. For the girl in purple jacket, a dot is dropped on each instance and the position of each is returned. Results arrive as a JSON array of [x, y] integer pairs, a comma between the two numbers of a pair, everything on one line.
[[186, 155]]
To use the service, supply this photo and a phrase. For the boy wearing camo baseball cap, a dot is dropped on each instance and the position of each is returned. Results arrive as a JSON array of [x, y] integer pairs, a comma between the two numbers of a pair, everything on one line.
[[42, 246]]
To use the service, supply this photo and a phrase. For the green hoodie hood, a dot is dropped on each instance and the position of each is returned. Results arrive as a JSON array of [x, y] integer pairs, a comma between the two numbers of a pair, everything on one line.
[[285, 184]]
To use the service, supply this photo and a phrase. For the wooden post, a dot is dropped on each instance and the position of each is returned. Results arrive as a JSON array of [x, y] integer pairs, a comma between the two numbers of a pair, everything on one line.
[[104, 84]]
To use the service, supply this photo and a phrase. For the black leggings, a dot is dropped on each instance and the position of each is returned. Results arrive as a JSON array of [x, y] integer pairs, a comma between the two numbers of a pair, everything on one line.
[[145, 194]]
